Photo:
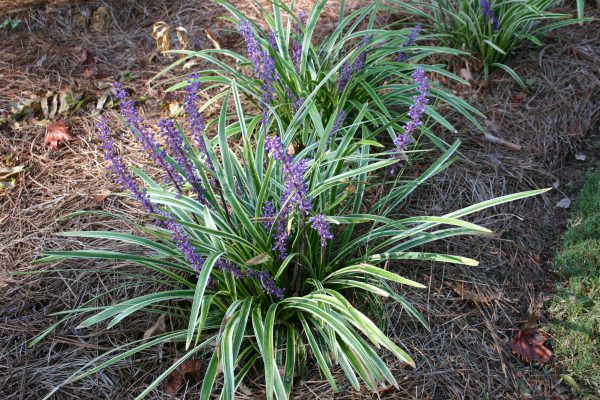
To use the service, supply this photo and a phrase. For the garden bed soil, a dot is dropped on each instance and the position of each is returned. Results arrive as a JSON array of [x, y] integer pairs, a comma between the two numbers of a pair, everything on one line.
[[473, 312]]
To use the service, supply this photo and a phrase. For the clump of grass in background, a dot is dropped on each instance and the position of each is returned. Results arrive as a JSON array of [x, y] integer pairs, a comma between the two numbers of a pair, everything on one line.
[[491, 30], [576, 308], [290, 73]]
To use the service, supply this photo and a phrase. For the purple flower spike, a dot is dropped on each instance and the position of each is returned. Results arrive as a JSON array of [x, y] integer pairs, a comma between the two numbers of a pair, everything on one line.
[[410, 41], [182, 241], [119, 169], [345, 74], [321, 225], [228, 266], [415, 112], [337, 124], [268, 214], [146, 137], [247, 33], [266, 282], [486, 10], [273, 40], [179, 151], [295, 191], [358, 64], [264, 65], [296, 43], [268, 74]]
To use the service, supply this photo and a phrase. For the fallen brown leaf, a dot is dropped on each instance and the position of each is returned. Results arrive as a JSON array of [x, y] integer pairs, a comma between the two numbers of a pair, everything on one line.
[[98, 198], [158, 327], [56, 134], [99, 18], [189, 371], [529, 344], [87, 57], [466, 294], [160, 33]]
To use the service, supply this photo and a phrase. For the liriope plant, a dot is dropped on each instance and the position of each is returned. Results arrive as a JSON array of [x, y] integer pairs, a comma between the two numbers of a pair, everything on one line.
[[261, 251], [491, 30], [287, 65]]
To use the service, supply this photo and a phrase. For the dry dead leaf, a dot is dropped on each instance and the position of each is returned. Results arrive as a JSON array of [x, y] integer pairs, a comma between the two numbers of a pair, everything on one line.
[[466, 294], [211, 37], [99, 198], [99, 18], [87, 57], [465, 73], [160, 33], [529, 344], [56, 134], [158, 327], [519, 98], [174, 108], [182, 36], [189, 371], [259, 259]]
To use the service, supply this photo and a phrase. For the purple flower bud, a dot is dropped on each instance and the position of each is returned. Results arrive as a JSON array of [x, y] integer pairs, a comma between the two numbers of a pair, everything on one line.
[[321, 225]]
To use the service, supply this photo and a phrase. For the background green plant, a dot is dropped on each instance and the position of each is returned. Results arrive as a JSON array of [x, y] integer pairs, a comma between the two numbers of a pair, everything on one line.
[[462, 24], [575, 310]]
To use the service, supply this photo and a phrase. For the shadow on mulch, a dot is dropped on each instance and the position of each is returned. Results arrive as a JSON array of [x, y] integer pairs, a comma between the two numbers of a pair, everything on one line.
[[473, 312]]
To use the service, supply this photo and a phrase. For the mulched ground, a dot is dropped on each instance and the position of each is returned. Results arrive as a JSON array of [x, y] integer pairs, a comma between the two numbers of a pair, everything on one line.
[[473, 312]]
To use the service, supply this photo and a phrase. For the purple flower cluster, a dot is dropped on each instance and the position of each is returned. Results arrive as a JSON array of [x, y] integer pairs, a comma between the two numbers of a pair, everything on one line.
[[273, 40], [337, 124], [410, 41], [415, 112], [179, 151], [194, 117], [358, 64], [486, 10], [179, 236], [146, 137], [268, 214], [264, 65], [295, 191], [321, 225], [254, 52]]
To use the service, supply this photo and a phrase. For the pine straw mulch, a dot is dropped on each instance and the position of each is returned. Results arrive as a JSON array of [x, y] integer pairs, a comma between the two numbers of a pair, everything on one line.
[[473, 312]]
